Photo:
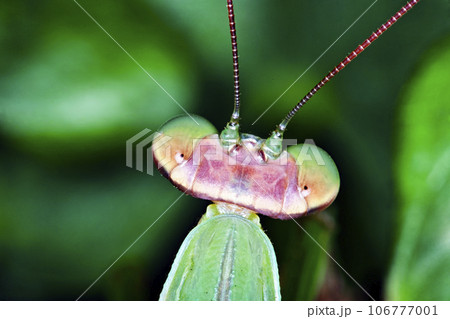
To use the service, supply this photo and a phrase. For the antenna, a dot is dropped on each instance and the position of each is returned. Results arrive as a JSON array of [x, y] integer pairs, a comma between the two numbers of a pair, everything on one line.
[[235, 115], [230, 135], [272, 146]]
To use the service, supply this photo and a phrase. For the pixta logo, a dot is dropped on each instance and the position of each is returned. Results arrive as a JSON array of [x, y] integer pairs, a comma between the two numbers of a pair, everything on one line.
[[139, 151]]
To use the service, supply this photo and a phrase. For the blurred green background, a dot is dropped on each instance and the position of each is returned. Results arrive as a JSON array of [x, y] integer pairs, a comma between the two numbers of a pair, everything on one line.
[[70, 98]]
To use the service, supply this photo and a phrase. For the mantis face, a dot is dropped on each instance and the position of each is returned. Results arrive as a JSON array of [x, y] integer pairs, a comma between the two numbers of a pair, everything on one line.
[[243, 170], [300, 181]]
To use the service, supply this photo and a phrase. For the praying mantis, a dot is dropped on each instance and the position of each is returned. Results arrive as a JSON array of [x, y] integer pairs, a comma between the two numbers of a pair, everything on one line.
[[228, 256]]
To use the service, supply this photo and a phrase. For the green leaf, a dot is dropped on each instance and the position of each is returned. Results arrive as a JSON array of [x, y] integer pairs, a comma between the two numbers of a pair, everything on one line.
[[421, 267]]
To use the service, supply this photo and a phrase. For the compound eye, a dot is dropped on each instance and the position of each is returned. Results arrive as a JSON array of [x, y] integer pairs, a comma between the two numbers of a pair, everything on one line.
[[318, 177], [179, 158]]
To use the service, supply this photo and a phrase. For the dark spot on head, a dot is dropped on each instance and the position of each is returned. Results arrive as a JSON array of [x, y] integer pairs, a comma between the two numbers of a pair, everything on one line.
[[262, 155], [305, 187], [236, 148], [233, 150], [182, 155]]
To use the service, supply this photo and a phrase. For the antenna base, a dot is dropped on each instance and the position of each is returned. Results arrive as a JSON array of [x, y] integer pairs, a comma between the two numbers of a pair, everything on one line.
[[230, 136], [273, 146]]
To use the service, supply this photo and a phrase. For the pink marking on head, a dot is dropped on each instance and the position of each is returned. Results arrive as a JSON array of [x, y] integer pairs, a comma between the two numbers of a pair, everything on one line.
[[242, 178]]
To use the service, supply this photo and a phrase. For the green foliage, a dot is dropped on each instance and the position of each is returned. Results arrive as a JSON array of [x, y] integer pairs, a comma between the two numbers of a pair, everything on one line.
[[421, 266], [78, 92]]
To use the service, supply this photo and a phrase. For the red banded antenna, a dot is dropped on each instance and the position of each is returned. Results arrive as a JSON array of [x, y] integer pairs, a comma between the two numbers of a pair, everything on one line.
[[235, 115], [278, 133], [230, 135]]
